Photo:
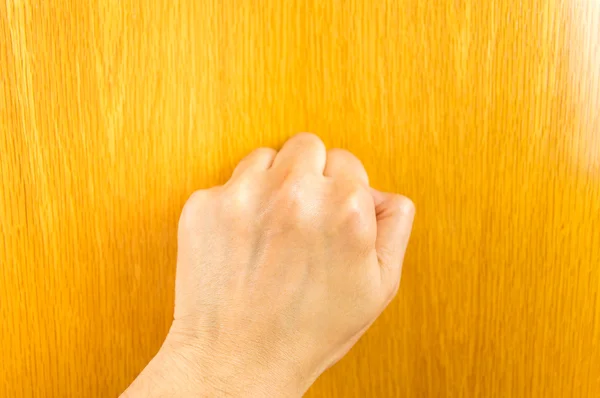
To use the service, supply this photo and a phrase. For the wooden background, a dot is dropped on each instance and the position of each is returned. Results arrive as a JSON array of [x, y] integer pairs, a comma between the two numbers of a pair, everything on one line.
[[486, 113]]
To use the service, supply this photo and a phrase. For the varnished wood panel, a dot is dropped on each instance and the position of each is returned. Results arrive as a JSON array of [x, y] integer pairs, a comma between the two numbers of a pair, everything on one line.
[[486, 113]]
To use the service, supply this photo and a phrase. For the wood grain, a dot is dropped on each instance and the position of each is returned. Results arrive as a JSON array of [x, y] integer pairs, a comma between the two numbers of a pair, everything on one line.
[[487, 114]]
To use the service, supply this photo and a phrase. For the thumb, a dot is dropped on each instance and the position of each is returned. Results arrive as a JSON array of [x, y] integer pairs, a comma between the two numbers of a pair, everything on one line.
[[395, 214]]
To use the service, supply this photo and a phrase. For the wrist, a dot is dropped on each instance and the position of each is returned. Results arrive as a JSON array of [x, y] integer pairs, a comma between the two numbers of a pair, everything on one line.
[[231, 371], [170, 373]]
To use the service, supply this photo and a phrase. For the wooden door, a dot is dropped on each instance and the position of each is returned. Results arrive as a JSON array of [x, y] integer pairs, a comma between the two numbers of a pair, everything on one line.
[[486, 113]]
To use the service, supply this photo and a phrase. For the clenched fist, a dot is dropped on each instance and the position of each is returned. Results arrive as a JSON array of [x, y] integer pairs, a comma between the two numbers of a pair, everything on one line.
[[279, 273]]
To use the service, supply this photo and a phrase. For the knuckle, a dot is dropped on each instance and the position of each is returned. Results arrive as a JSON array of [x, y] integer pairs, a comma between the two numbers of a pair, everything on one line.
[[196, 202], [340, 154], [289, 192], [403, 205], [256, 160], [296, 186], [358, 209], [296, 199], [236, 209], [263, 152], [308, 138], [290, 196], [357, 200], [237, 200], [198, 199], [308, 141]]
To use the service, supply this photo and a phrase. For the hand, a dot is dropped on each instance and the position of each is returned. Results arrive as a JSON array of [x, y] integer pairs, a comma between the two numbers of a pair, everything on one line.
[[282, 269]]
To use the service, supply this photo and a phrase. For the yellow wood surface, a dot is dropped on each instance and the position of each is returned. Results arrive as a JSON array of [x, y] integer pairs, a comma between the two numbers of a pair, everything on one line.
[[486, 113]]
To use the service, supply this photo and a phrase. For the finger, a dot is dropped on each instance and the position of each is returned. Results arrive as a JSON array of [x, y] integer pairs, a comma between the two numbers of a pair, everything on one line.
[[395, 215], [304, 152], [258, 160], [343, 164]]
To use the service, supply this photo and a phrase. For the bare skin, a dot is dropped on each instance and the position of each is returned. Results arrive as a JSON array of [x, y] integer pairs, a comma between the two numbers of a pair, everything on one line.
[[279, 272]]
